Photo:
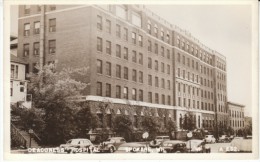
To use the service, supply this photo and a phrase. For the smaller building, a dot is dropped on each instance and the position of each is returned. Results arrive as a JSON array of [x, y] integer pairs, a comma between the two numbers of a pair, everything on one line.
[[236, 116]]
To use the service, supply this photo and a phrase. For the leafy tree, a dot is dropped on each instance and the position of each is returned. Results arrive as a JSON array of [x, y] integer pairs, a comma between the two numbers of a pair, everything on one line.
[[152, 125], [54, 93], [123, 126], [188, 123], [171, 126]]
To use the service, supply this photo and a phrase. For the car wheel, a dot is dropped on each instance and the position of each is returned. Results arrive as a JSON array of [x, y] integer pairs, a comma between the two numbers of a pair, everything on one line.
[[111, 150]]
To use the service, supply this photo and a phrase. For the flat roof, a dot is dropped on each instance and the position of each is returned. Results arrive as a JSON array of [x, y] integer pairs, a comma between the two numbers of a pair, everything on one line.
[[236, 104]]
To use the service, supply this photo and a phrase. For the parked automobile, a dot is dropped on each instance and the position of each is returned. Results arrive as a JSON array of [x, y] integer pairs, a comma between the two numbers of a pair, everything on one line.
[[111, 144], [241, 145], [158, 140], [173, 146], [224, 138], [77, 145], [210, 139], [197, 146]]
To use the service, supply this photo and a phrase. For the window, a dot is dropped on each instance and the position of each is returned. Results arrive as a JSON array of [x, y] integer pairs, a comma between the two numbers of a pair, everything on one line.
[[168, 54], [156, 65], [149, 28], [168, 69], [149, 62], [35, 67], [99, 66], [26, 50], [52, 25], [156, 48], [183, 60], [162, 35], [108, 47], [108, 68], [99, 22], [179, 72], [36, 48], [163, 99], [162, 51], [99, 89], [136, 19], [37, 27], [118, 30], [134, 75], [141, 95], [140, 76], [162, 83], [11, 88], [118, 51], [125, 93], [156, 31], [179, 87], [118, 91], [12, 71], [52, 46], [125, 73], [140, 40], [141, 58], [133, 38], [118, 71], [179, 101], [52, 7], [156, 82], [188, 61], [157, 98], [169, 100], [150, 80], [108, 90], [183, 74], [108, 26], [169, 84], [125, 34], [134, 57], [162, 67], [99, 44], [150, 97], [168, 38], [125, 53], [26, 29], [27, 9], [134, 94], [149, 46]]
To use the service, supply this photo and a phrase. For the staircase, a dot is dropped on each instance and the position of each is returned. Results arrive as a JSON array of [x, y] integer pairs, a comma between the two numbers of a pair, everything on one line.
[[26, 135]]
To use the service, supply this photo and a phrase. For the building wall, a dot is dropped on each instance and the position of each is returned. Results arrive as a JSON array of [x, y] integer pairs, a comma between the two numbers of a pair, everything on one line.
[[236, 116], [78, 30], [18, 83]]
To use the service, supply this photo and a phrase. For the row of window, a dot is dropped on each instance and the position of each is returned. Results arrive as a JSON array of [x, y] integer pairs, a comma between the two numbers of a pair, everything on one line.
[[156, 66], [207, 58], [190, 62], [36, 48], [194, 91], [221, 66], [221, 87], [222, 97], [188, 103], [36, 27], [155, 32], [108, 71], [27, 8], [156, 50], [236, 114], [14, 71], [156, 82], [221, 76], [236, 123], [222, 108]]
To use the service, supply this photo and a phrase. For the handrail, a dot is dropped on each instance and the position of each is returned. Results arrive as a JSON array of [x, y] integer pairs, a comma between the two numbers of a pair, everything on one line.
[[35, 135], [20, 137]]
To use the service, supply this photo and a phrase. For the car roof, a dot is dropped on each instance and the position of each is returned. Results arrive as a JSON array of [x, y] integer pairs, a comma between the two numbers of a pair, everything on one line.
[[173, 141], [162, 136], [116, 137], [196, 140], [77, 139]]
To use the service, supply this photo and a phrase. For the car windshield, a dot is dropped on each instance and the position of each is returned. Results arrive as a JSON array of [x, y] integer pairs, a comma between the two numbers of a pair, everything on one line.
[[167, 144], [158, 137], [69, 142]]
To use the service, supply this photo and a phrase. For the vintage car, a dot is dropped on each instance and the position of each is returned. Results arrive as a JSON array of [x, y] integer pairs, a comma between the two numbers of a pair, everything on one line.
[[210, 139], [224, 138], [111, 144], [197, 146], [79, 145], [173, 146], [158, 140]]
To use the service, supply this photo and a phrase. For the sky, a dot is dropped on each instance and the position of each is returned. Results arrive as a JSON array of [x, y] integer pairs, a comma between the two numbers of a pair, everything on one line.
[[224, 28]]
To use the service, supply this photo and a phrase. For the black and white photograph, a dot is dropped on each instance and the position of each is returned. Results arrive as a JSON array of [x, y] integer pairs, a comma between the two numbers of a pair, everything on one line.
[[163, 80]]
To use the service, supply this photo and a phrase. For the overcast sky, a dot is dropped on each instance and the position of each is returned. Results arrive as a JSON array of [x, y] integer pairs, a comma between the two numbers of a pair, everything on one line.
[[224, 28]]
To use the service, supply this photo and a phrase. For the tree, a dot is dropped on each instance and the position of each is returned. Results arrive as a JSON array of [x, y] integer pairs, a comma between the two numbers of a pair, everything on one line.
[[54, 93], [123, 126], [171, 126], [152, 125], [188, 123]]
